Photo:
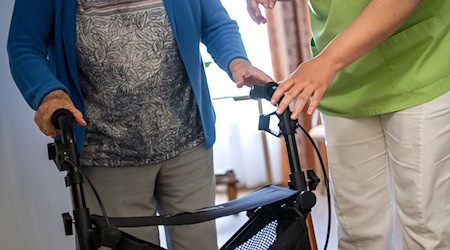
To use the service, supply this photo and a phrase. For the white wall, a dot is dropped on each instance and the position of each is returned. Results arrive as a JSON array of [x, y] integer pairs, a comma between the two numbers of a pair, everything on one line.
[[239, 143], [32, 190]]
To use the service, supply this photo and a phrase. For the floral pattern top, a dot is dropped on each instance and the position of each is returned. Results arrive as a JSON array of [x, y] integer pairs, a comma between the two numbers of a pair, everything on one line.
[[140, 107]]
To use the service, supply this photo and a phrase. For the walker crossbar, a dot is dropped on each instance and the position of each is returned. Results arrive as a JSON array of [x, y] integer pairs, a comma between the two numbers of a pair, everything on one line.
[[262, 197]]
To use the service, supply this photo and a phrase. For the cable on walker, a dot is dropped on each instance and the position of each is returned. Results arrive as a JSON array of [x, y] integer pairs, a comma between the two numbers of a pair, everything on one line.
[[278, 215]]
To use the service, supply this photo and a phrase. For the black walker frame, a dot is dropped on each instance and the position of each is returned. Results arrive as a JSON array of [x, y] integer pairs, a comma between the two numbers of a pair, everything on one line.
[[93, 231]]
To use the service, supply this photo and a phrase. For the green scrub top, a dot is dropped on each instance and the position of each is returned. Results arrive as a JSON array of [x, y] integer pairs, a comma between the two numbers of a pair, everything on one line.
[[408, 69]]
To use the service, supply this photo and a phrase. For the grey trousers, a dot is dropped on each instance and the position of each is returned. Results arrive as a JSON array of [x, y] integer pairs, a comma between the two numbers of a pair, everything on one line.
[[181, 184]]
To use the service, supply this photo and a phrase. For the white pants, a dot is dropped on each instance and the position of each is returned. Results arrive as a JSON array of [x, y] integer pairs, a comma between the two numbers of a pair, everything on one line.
[[389, 169]]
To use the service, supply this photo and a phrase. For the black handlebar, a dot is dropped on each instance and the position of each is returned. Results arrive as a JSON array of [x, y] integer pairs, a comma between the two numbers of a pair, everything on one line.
[[63, 120], [60, 117], [263, 92]]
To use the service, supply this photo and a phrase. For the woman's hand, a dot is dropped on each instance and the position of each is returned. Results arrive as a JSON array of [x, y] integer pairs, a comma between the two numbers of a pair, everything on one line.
[[245, 74], [55, 100], [306, 84], [255, 12]]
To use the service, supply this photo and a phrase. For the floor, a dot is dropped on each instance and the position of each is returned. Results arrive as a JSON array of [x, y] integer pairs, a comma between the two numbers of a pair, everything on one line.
[[227, 226]]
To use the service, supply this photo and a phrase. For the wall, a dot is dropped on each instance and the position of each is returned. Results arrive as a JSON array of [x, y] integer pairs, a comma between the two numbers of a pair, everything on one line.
[[32, 191]]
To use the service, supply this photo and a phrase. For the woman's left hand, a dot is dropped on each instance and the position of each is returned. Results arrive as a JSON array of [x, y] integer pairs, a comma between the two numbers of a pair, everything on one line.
[[244, 73]]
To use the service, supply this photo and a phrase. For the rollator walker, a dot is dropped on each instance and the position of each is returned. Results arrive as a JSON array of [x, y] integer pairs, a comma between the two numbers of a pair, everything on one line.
[[277, 218]]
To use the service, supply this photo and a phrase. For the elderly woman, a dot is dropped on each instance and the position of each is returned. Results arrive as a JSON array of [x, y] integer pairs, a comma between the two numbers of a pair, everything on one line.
[[132, 75]]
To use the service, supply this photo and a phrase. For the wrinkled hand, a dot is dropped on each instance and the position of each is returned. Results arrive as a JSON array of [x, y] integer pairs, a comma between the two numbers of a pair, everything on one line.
[[245, 74], [53, 101], [306, 84], [255, 12]]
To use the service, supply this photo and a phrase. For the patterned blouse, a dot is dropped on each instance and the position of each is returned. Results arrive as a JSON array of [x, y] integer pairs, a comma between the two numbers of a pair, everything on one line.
[[140, 108]]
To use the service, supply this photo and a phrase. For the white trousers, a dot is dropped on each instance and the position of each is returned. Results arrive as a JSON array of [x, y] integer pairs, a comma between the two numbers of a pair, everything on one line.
[[392, 169]]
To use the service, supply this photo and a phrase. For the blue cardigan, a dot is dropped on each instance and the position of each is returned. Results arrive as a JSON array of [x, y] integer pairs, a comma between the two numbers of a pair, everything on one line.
[[42, 53]]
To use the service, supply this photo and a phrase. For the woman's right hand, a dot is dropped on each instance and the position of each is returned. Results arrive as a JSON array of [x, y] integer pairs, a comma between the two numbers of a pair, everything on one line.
[[55, 100], [255, 12]]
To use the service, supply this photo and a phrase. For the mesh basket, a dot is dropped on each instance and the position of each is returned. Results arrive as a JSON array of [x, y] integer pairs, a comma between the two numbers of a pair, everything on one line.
[[275, 227]]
